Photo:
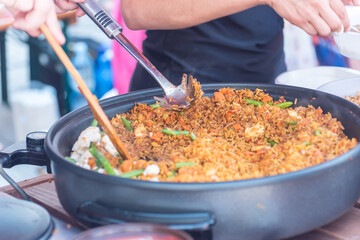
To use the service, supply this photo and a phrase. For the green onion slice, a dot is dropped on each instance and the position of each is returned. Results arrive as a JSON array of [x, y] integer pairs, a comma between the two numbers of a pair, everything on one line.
[[184, 164], [291, 123], [94, 123], [126, 123], [284, 104], [168, 132], [173, 174], [272, 143], [254, 102], [70, 159], [317, 132], [155, 106], [103, 161], [131, 174], [192, 136], [173, 132]]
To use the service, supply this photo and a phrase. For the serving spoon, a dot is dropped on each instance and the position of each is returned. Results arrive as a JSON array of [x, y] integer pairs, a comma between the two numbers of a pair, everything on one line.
[[95, 107], [179, 97]]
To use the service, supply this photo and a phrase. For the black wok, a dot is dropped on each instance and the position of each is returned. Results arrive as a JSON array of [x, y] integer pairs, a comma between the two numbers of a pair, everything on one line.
[[266, 208]]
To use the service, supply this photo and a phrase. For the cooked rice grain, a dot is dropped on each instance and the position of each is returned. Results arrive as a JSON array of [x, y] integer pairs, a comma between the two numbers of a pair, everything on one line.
[[234, 140]]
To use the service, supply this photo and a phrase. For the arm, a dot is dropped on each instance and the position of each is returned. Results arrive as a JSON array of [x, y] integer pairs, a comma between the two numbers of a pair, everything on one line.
[[175, 14], [313, 16]]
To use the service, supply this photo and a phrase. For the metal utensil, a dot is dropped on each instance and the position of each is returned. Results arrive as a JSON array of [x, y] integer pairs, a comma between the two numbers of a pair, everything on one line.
[[178, 97]]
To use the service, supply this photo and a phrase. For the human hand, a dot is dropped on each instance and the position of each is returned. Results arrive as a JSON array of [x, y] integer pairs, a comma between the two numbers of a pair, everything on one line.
[[316, 17], [351, 2], [63, 6], [29, 15]]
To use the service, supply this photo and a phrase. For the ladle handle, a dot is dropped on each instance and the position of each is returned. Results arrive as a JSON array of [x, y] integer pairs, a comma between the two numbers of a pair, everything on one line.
[[113, 30], [99, 16]]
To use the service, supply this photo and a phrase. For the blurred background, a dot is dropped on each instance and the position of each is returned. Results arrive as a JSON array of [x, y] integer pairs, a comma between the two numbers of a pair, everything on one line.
[[36, 89]]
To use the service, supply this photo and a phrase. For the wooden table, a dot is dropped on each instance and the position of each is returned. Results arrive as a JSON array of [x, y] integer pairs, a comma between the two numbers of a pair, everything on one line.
[[43, 192]]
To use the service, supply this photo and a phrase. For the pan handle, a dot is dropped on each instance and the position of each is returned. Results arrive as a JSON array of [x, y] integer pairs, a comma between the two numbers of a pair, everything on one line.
[[99, 214], [34, 153]]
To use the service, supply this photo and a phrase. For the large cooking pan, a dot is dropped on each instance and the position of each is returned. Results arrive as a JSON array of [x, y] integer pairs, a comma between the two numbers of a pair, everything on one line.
[[266, 208]]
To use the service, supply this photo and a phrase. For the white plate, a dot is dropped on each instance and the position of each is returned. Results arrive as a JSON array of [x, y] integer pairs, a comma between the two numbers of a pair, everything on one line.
[[343, 87], [314, 77]]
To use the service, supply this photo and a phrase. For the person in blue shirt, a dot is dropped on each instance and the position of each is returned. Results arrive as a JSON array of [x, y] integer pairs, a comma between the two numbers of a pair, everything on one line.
[[224, 40]]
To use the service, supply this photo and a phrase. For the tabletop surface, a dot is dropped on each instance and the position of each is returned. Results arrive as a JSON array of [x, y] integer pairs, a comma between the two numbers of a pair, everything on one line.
[[42, 191]]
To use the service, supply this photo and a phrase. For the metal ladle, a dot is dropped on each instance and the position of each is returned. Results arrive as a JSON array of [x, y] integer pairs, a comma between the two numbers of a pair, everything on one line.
[[179, 97]]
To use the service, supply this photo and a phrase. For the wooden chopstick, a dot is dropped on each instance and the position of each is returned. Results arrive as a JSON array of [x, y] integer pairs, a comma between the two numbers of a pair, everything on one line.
[[92, 100]]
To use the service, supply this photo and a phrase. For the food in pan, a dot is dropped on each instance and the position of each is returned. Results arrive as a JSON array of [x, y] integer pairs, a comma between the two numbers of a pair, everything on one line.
[[234, 135], [354, 99]]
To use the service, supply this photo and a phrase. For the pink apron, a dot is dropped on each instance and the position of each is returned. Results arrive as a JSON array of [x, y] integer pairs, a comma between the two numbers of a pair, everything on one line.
[[123, 64]]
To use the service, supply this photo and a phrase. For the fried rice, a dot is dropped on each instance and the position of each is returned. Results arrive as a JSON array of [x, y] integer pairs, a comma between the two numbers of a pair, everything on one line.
[[234, 135], [354, 99]]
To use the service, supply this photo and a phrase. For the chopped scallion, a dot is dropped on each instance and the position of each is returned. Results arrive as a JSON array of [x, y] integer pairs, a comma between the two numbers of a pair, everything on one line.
[[155, 106], [254, 102], [192, 136], [174, 132], [70, 159], [94, 123], [272, 143], [284, 104], [184, 164], [168, 132], [126, 123], [131, 174], [291, 123], [172, 174], [317, 132], [103, 161]]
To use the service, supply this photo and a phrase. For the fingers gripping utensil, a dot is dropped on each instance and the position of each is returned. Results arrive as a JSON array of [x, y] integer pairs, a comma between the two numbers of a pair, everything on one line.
[[95, 107], [178, 97], [355, 28]]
